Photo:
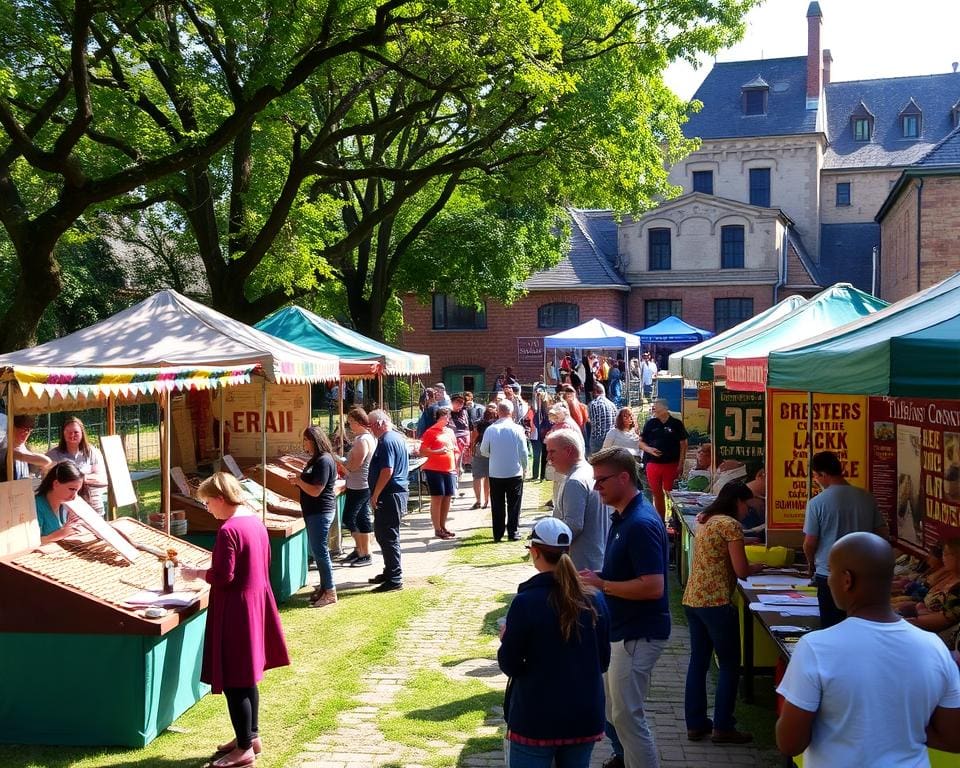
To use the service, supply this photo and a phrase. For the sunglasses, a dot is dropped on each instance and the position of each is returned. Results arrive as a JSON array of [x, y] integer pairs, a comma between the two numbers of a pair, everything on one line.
[[603, 478]]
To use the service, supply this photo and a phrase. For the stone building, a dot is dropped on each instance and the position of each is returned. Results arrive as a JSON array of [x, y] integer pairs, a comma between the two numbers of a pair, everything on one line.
[[799, 183]]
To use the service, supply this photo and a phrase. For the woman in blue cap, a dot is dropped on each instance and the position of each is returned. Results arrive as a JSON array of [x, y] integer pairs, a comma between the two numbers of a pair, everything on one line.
[[555, 647]]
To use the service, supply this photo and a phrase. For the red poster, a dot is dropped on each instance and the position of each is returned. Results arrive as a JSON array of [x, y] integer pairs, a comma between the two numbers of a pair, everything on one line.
[[915, 467]]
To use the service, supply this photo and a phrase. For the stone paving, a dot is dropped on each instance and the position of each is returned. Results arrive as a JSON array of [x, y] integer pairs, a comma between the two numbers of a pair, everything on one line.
[[455, 624]]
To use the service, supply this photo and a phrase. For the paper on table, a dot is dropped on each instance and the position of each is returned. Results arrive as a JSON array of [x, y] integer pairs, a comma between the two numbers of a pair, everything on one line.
[[761, 579], [788, 598], [787, 629], [149, 597], [783, 610]]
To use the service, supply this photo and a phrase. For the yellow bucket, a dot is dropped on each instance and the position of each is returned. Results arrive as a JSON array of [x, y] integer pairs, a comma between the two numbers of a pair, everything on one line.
[[775, 556]]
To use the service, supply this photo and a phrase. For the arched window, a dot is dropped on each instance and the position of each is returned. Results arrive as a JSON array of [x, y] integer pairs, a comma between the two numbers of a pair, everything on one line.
[[558, 316]]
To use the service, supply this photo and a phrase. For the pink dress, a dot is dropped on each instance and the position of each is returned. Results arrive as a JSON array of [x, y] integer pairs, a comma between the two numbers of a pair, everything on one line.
[[244, 636]]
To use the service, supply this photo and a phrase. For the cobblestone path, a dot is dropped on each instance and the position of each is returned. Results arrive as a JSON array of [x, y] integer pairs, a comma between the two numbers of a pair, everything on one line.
[[451, 631]]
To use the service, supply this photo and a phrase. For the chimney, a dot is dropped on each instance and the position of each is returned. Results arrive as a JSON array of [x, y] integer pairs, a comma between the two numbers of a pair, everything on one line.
[[814, 21], [955, 65], [827, 61]]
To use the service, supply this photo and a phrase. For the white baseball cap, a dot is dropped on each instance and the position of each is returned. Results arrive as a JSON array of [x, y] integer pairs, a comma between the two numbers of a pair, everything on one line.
[[551, 532]]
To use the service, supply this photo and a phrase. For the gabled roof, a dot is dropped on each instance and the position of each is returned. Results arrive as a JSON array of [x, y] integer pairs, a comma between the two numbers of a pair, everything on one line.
[[943, 159], [714, 201], [885, 98], [757, 82], [947, 152], [722, 113], [846, 254], [590, 261]]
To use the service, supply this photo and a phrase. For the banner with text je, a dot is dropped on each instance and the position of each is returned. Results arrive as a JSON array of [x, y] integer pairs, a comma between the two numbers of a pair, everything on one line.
[[738, 427], [838, 423]]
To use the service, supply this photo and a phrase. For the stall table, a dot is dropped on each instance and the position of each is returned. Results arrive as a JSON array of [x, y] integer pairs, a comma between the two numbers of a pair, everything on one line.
[[79, 666]]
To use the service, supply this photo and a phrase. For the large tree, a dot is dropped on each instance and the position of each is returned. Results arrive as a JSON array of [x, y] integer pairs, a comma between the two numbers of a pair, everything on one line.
[[90, 112], [372, 146]]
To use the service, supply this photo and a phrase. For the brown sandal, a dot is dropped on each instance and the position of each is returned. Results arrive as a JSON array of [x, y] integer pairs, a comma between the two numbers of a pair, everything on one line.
[[255, 744]]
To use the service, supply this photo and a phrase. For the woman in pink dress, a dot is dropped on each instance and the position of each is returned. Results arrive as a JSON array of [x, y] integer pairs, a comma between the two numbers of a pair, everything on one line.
[[244, 636]]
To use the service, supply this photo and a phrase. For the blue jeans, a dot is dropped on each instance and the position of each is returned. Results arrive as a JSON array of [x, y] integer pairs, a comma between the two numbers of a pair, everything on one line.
[[715, 629], [611, 733], [318, 529], [567, 756]]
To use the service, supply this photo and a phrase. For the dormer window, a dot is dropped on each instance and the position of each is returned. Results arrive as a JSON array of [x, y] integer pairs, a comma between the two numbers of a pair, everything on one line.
[[910, 120], [754, 96], [861, 121]]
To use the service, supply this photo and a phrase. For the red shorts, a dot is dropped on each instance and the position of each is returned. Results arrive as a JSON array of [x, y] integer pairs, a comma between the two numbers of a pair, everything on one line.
[[662, 476]]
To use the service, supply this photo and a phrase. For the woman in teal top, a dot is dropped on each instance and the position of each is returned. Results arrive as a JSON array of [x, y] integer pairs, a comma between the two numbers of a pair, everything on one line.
[[61, 484]]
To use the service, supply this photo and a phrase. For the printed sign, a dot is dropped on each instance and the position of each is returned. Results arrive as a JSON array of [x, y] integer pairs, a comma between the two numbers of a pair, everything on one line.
[[915, 467], [288, 414], [738, 427], [530, 349], [838, 423]]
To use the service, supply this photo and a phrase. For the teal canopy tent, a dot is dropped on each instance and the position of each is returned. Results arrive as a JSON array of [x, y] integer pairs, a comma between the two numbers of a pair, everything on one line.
[[746, 360], [304, 328], [909, 349], [690, 362]]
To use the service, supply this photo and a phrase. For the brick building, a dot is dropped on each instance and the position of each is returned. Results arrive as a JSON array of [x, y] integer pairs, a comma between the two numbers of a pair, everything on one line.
[[794, 182]]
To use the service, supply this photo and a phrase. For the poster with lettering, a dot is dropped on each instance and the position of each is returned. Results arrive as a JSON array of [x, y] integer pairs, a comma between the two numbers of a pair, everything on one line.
[[288, 413], [837, 423], [738, 427], [915, 467]]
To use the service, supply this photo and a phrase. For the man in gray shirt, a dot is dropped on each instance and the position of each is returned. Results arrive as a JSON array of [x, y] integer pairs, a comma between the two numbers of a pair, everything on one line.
[[578, 504], [839, 509]]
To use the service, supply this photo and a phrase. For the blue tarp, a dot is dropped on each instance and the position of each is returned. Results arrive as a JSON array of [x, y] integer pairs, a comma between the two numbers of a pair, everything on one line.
[[672, 330]]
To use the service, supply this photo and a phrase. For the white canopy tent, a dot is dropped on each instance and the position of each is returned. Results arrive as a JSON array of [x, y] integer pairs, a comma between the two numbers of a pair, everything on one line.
[[164, 344], [595, 334]]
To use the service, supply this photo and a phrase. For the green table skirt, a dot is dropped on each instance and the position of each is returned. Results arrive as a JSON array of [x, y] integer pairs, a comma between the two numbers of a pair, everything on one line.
[[288, 561], [98, 690]]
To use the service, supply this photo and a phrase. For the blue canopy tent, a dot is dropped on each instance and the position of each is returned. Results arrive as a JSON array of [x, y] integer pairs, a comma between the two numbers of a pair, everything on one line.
[[672, 330]]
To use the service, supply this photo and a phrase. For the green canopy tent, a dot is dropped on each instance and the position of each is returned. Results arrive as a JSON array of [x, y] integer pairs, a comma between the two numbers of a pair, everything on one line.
[[909, 349], [690, 362], [746, 361]]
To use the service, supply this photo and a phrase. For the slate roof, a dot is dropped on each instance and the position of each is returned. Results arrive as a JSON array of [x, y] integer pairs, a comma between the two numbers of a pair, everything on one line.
[[722, 113], [886, 98], [589, 262], [808, 263], [947, 152], [846, 254]]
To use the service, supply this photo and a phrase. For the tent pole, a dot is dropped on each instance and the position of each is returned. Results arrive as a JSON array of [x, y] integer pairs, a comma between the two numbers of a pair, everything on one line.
[[263, 450], [111, 414], [809, 444], [340, 409], [10, 430], [222, 430], [380, 383], [165, 424]]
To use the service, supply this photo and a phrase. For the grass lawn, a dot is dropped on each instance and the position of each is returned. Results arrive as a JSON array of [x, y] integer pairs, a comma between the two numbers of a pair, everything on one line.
[[434, 712], [297, 702]]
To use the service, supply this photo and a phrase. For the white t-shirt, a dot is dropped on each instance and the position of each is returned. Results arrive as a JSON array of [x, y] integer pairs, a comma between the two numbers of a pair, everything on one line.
[[874, 687]]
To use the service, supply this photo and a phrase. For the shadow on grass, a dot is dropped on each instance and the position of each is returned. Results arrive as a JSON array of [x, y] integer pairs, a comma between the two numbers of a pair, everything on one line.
[[478, 745], [451, 710]]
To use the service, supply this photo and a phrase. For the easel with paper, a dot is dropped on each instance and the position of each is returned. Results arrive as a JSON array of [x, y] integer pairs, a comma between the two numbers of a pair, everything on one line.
[[122, 493]]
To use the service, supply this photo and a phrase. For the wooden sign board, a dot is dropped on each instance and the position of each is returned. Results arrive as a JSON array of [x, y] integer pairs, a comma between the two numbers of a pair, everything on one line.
[[231, 464], [288, 414], [19, 529], [180, 480], [102, 529], [117, 470]]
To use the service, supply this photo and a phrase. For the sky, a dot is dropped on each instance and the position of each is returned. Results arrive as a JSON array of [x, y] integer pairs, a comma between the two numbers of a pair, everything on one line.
[[867, 39]]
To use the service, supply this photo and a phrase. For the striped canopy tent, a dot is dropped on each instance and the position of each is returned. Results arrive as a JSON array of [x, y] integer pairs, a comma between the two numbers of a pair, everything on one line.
[[164, 344]]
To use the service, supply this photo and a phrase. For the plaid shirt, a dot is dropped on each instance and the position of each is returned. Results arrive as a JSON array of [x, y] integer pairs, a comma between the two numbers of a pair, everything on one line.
[[603, 415]]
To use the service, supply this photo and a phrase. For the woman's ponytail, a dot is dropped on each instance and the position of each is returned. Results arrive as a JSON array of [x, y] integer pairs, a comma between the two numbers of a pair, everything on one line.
[[569, 597]]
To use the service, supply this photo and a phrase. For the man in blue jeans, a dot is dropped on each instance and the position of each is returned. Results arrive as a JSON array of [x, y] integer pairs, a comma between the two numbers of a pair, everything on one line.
[[389, 483], [634, 581]]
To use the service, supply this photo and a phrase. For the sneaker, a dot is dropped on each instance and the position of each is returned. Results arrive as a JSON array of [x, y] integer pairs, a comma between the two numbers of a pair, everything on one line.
[[731, 737], [614, 762], [698, 734], [387, 586], [361, 561], [378, 579], [351, 557]]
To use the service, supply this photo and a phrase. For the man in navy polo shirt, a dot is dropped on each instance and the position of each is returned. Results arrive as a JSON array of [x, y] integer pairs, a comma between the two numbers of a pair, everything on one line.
[[634, 581], [388, 478]]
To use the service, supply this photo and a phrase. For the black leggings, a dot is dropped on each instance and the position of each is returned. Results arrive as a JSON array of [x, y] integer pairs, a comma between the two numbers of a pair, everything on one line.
[[243, 705]]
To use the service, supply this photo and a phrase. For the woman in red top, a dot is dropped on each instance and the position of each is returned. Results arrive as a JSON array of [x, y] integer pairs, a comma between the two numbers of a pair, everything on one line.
[[244, 636], [439, 446]]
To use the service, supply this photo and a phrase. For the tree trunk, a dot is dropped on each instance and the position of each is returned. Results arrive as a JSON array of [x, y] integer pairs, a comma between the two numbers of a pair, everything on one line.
[[38, 286]]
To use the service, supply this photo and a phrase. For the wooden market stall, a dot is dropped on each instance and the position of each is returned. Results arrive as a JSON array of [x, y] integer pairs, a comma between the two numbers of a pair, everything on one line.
[[159, 349]]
